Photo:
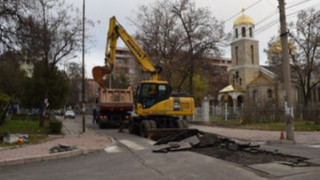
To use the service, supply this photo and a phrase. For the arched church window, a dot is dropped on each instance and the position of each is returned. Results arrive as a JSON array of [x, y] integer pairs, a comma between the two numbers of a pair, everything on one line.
[[240, 100], [236, 32], [269, 93], [243, 31], [237, 57], [250, 31], [252, 54]]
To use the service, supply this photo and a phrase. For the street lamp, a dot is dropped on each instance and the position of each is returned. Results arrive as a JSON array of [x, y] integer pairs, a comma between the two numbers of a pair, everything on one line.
[[83, 71]]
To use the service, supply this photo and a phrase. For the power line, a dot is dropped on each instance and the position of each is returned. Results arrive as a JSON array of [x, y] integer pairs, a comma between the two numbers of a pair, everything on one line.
[[266, 18], [250, 6], [296, 3], [271, 4], [291, 5], [274, 22]]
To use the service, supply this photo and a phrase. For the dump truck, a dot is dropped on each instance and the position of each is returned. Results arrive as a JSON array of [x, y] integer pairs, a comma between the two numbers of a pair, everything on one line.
[[114, 107]]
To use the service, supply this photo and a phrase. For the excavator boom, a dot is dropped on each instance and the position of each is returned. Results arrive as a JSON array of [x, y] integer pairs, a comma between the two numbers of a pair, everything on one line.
[[115, 31]]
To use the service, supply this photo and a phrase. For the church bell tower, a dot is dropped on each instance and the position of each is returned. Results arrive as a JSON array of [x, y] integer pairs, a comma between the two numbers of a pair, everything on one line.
[[244, 52]]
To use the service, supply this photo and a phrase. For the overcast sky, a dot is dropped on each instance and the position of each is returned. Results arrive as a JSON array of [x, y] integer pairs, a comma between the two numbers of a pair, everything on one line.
[[263, 12]]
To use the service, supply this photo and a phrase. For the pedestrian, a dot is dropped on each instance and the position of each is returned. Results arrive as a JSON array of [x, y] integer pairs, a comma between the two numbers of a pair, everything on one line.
[[94, 120]]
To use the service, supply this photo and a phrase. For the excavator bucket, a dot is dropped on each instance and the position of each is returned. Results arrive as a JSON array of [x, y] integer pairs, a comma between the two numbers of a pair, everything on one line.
[[99, 72]]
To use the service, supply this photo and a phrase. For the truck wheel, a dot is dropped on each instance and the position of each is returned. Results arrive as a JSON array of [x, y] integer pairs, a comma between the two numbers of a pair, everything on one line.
[[182, 124], [185, 124], [144, 128]]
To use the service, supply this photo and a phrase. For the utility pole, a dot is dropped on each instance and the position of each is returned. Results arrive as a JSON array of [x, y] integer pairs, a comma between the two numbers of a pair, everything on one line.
[[286, 72], [83, 73]]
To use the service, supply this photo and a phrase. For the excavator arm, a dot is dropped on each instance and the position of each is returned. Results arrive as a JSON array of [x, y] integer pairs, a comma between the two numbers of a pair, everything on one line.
[[115, 31]]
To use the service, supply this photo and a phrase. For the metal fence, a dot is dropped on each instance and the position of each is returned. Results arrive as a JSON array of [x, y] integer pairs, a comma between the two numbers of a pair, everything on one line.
[[264, 114]]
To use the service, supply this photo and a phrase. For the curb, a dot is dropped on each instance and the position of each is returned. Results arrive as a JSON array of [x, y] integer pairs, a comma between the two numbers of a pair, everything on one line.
[[275, 142], [113, 143], [48, 157]]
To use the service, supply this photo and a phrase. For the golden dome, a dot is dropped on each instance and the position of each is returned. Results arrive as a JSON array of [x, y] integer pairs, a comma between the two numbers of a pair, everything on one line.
[[243, 19]]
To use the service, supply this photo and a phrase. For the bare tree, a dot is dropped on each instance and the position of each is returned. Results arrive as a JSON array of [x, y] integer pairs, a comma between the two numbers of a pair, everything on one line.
[[159, 35], [56, 27], [202, 33], [305, 34], [74, 73], [217, 76], [51, 34], [178, 35], [11, 16]]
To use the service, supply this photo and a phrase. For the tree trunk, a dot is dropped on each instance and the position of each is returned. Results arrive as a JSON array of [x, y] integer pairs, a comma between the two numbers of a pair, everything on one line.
[[191, 81]]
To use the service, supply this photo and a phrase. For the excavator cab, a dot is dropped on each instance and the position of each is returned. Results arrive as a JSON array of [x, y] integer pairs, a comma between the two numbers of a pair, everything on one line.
[[150, 93]]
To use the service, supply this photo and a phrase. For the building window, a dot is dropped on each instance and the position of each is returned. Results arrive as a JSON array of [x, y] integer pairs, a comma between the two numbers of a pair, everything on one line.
[[243, 31], [252, 54], [250, 31], [237, 57], [269, 93], [240, 82], [236, 32], [121, 60]]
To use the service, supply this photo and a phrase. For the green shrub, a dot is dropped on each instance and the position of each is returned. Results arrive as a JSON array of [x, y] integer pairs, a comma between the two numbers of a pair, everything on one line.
[[55, 126], [2, 135]]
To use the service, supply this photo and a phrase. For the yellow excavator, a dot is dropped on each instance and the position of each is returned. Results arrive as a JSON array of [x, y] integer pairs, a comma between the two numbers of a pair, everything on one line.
[[157, 109]]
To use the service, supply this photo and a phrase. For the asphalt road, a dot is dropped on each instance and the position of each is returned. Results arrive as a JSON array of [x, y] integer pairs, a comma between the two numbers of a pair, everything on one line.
[[132, 158]]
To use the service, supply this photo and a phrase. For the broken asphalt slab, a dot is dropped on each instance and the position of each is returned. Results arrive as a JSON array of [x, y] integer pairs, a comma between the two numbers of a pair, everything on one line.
[[241, 152]]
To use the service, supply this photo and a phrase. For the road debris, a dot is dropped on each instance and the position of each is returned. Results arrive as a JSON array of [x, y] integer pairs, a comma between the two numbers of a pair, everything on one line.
[[194, 138], [176, 137], [16, 138], [62, 148], [241, 152], [296, 162]]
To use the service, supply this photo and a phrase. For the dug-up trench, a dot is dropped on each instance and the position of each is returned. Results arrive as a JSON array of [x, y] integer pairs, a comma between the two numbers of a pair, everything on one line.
[[213, 145]]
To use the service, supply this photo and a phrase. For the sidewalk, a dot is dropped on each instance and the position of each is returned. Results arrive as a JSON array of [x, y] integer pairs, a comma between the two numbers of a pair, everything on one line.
[[85, 142], [304, 137]]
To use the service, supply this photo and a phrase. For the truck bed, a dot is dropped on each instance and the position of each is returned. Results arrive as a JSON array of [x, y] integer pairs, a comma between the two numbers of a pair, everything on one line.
[[116, 106], [116, 99]]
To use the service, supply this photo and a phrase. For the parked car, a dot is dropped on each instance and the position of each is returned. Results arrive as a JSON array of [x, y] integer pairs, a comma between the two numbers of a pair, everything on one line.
[[69, 114], [59, 112]]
